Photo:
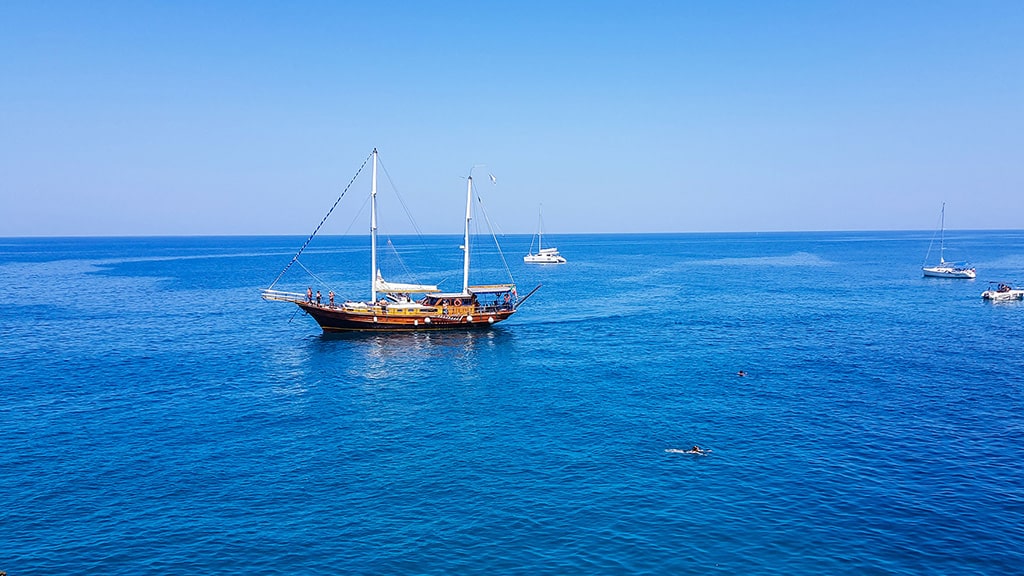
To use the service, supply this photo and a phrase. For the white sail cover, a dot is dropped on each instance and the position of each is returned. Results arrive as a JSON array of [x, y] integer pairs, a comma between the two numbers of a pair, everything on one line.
[[399, 288]]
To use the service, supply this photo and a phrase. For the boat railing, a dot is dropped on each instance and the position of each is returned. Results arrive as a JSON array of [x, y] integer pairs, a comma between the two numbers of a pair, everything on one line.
[[484, 309], [282, 296]]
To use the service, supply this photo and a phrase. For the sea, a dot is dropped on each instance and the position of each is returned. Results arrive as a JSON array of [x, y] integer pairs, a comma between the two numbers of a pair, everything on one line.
[[158, 417]]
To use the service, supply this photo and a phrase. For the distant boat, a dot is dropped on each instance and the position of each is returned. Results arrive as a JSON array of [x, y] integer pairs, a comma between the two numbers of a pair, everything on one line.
[[1003, 292], [392, 306], [946, 269], [543, 255]]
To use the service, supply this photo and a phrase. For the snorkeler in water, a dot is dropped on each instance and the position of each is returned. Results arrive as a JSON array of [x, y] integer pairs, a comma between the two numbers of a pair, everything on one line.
[[695, 450]]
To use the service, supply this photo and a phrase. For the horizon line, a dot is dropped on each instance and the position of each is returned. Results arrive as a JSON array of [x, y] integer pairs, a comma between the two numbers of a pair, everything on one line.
[[561, 234]]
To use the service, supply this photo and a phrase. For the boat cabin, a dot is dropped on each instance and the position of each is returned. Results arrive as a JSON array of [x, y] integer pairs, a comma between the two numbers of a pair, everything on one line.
[[482, 298]]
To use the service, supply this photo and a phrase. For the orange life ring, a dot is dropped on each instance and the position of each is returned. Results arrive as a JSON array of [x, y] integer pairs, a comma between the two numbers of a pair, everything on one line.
[[458, 302]]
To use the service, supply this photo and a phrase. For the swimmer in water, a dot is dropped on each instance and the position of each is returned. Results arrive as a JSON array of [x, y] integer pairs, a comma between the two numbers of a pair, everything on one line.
[[695, 450], [741, 373]]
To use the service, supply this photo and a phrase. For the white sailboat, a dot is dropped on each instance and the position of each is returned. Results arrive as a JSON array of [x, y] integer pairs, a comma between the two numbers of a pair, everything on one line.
[[946, 269], [543, 255]]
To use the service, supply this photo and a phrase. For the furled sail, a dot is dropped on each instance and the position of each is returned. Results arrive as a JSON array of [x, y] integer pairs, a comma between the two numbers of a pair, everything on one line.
[[399, 288]]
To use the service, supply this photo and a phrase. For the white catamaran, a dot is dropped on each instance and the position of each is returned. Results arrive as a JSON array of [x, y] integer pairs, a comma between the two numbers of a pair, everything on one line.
[[945, 269], [543, 255]]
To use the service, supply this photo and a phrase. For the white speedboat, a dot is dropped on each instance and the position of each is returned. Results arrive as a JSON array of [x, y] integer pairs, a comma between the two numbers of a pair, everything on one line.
[[946, 269], [543, 255], [1003, 292]]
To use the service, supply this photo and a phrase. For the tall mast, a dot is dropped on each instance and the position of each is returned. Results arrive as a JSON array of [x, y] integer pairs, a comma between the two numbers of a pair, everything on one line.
[[540, 227], [942, 235], [373, 231], [465, 244]]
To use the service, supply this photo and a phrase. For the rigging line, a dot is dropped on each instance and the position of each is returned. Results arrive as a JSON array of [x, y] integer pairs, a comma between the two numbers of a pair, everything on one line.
[[358, 215], [490, 228], [935, 233], [319, 280], [401, 200], [398, 256], [306, 243]]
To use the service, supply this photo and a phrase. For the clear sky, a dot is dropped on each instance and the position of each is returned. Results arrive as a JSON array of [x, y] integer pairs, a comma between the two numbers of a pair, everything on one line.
[[182, 117]]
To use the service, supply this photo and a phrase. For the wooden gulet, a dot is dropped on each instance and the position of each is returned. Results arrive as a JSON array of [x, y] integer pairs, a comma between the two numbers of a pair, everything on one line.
[[392, 306]]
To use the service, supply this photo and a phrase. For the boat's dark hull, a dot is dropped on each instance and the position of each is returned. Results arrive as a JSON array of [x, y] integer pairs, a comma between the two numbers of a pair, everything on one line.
[[338, 319]]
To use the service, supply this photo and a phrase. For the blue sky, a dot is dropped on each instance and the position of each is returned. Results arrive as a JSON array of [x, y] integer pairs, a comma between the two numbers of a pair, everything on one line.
[[124, 118]]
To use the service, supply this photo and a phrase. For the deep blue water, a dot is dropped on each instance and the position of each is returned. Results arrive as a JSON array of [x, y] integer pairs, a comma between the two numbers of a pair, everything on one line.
[[157, 417]]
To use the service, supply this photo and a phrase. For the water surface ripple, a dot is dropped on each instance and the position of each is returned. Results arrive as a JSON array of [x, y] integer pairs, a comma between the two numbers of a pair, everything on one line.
[[157, 417]]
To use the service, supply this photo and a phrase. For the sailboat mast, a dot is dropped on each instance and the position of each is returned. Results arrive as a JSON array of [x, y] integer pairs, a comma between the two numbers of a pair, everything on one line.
[[373, 231], [465, 244], [942, 235], [540, 228]]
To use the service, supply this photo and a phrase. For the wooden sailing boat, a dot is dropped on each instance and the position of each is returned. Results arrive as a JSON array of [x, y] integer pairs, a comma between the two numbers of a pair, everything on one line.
[[945, 269], [543, 255], [395, 307]]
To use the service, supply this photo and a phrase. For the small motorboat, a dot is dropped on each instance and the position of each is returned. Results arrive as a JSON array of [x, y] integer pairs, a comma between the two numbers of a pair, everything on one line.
[[1003, 292]]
